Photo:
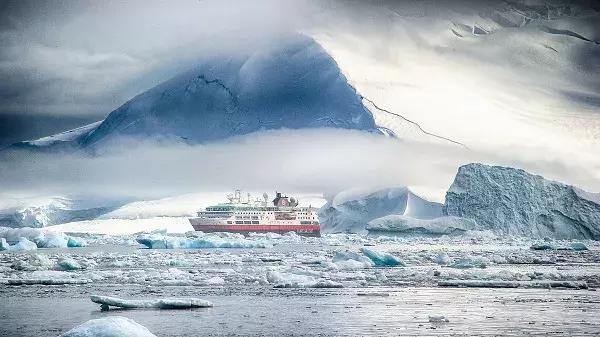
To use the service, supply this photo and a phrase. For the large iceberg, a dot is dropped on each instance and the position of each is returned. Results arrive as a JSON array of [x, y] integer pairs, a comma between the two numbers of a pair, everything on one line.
[[115, 326], [351, 210], [400, 224], [25, 237], [23, 245], [512, 201], [382, 259]]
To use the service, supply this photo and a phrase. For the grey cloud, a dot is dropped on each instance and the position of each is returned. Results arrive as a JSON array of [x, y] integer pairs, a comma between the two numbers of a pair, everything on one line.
[[329, 160]]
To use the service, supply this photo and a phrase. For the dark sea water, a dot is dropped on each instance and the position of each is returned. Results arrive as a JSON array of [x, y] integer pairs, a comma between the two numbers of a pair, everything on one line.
[[50, 311]]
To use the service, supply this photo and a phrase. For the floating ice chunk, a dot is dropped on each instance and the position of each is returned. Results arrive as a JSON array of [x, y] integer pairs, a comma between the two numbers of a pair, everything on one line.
[[13, 234], [178, 263], [542, 246], [293, 280], [32, 262], [52, 240], [23, 245], [157, 241], [115, 326], [471, 262], [215, 280], [73, 242], [163, 303], [443, 259], [68, 264], [382, 259], [351, 260], [40, 238], [3, 244], [438, 319], [578, 246]]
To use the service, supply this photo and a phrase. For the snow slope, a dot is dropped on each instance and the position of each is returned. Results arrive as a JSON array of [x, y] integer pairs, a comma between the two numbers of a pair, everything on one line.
[[289, 82], [351, 210], [512, 201], [125, 226], [47, 211]]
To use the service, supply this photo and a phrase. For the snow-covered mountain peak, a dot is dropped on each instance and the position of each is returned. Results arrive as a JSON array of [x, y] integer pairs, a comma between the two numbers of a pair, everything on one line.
[[290, 82]]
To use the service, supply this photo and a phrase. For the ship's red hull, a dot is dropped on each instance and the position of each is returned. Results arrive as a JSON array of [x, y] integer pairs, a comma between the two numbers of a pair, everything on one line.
[[305, 230]]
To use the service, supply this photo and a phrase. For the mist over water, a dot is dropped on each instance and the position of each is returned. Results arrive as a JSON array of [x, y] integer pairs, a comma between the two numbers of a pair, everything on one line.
[[309, 161]]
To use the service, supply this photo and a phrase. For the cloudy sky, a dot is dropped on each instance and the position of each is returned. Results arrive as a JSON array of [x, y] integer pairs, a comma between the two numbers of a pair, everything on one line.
[[525, 88]]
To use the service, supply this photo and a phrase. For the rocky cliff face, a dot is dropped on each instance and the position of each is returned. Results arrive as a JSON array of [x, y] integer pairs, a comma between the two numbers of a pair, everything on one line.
[[512, 201]]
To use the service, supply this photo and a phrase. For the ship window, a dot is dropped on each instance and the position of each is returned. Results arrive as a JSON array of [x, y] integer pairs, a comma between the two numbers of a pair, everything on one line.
[[239, 222], [247, 222], [254, 218], [229, 222], [255, 222]]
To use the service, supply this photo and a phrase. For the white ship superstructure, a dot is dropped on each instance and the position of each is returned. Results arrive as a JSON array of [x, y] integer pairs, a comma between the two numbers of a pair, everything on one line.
[[281, 215]]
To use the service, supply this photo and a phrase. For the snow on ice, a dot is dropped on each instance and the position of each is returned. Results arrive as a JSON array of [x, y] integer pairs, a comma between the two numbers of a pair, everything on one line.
[[161, 303], [512, 201], [114, 326]]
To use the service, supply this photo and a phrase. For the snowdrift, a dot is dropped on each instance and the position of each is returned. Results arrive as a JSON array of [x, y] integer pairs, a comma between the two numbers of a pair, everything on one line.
[[351, 210], [512, 201]]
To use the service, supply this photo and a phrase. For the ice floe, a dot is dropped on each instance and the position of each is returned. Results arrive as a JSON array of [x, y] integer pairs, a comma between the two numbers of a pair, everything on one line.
[[24, 237], [382, 259], [158, 241], [161, 303], [22, 245], [438, 319], [292, 280], [114, 326]]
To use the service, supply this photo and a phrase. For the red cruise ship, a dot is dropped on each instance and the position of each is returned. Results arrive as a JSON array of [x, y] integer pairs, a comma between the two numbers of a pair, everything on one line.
[[281, 215]]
